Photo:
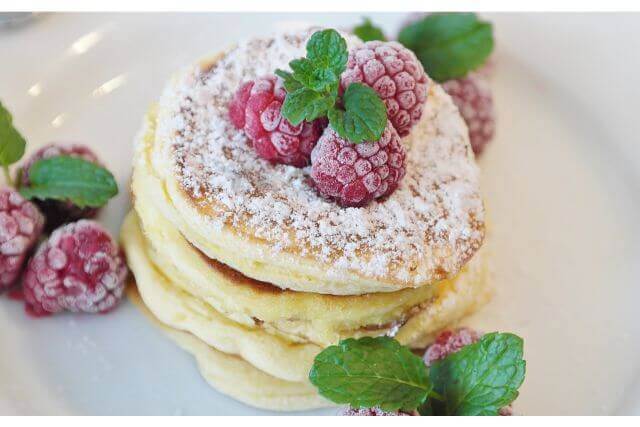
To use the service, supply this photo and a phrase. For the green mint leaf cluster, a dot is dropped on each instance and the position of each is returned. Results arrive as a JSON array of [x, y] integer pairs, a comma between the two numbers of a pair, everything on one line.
[[312, 87], [479, 379], [371, 372], [368, 32], [70, 178], [306, 104], [312, 91], [12, 143], [449, 45]]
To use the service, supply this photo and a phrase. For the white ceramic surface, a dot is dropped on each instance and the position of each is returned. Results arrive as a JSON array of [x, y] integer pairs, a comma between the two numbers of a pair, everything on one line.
[[562, 181]]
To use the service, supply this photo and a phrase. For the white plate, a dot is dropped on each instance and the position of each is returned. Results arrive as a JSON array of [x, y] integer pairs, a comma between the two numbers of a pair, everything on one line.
[[562, 183]]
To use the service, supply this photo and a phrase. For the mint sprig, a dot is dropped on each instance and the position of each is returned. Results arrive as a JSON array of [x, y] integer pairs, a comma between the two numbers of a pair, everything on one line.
[[366, 31], [12, 143], [449, 45], [82, 182], [479, 379], [311, 76], [371, 372], [312, 91], [315, 79]]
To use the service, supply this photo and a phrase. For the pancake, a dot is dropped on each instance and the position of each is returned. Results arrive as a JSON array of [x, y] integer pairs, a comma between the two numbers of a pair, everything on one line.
[[180, 310], [235, 377], [268, 223], [250, 270], [274, 354], [249, 301]]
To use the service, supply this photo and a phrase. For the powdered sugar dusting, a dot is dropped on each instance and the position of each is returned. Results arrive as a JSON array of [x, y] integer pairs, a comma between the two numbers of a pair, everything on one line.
[[427, 229]]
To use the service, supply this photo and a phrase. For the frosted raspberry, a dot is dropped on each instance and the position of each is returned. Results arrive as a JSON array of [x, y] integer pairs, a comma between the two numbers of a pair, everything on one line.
[[20, 226], [355, 174], [396, 74], [449, 342], [79, 268], [472, 96], [60, 212], [373, 412], [238, 105], [507, 411], [256, 109]]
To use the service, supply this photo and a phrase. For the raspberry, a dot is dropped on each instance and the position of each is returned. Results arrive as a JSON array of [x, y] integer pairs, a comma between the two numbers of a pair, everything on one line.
[[372, 412], [60, 212], [20, 226], [256, 109], [238, 105], [449, 342], [396, 74], [79, 268], [472, 96], [507, 411], [355, 174]]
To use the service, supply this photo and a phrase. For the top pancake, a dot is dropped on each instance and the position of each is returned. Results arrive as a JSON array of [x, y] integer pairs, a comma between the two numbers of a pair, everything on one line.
[[267, 222]]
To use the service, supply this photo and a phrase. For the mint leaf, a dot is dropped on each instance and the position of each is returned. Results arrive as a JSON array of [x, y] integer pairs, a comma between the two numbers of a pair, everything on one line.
[[481, 378], [328, 49], [12, 143], [312, 77], [435, 28], [290, 84], [364, 117], [306, 104], [312, 91], [368, 32], [70, 178], [426, 409], [312, 87], [449, 45], [370, 372]]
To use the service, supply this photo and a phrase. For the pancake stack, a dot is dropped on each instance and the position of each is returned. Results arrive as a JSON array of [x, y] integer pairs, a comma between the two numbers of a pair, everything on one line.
[[250, 270]]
